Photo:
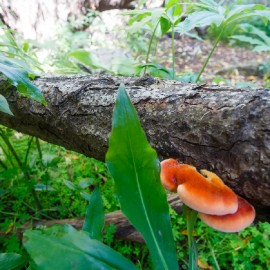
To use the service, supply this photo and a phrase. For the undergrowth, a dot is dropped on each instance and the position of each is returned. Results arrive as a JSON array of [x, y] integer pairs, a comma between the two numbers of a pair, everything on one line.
[[57, 173]]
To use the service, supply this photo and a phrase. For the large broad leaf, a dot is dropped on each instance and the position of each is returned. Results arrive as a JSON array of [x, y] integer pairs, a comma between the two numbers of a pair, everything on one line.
[[4, 107], [237, 9], [94, 219], [260, 46], [11, 261], [63, 248], [19, 78], [250, 40], [199, 19], [247, 12], [246, 27], [135, 169]]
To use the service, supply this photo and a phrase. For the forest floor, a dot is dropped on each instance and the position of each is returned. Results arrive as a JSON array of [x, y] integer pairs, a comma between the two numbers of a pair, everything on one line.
[[235, 64]]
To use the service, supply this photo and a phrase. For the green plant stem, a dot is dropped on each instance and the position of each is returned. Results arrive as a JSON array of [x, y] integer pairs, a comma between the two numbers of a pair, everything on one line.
[[215, 259], [149, 48], [20, 164], [41, 213], [191, 220], [39, 150], [173, 53], [191, 217], [8, 157], [9, 213], [11, 148], [210, 54], [3, 164], [28, 150], [156, 45]]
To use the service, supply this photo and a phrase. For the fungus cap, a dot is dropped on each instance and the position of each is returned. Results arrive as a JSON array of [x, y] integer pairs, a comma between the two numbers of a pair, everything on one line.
[[207, 194], [236, 222], [167, 174]]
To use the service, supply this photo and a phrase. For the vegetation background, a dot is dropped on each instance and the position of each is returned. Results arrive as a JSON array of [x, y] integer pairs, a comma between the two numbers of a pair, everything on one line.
[[43, 181]]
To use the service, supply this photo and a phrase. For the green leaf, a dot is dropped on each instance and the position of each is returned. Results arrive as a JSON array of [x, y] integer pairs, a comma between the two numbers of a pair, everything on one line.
[[193, 256], [70, 185], [171, 3], [237, 9], [86, 58], [259, 38], [19, 78], [42, 187], [135, 168], [191, 218], [263, 13], [124, 66], [174, 13], [85, 183], [199, 19], [187, 77], [4, 107], [261, 48], [94, 219], [255, 11], [246, 27], [10, 261], [138, 25], [62, 248], [210, 5], [247, 39], [165, 25]]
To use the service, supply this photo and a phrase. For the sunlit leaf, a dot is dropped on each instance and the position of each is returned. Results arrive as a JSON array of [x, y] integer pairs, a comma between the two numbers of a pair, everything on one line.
[[135, 168], [86, 58], [19, 78]]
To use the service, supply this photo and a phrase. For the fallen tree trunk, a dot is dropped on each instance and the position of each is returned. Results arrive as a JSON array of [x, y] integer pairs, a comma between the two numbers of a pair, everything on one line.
[[123, 229], [221, 129]]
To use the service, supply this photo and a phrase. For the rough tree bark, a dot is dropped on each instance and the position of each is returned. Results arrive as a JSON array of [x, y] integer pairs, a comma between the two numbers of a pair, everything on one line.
[[217, 128]]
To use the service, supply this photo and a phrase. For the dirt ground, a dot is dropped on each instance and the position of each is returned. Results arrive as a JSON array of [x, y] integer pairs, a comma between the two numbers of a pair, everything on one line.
[[233, 63]]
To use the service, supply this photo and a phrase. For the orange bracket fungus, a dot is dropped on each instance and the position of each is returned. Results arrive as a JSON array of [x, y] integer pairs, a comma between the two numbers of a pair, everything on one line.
[[218, 206], [236, 222]]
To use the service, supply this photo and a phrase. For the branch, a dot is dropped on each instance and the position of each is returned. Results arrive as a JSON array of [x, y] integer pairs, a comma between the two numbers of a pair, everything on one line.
[[123, 229], [221, 129]]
